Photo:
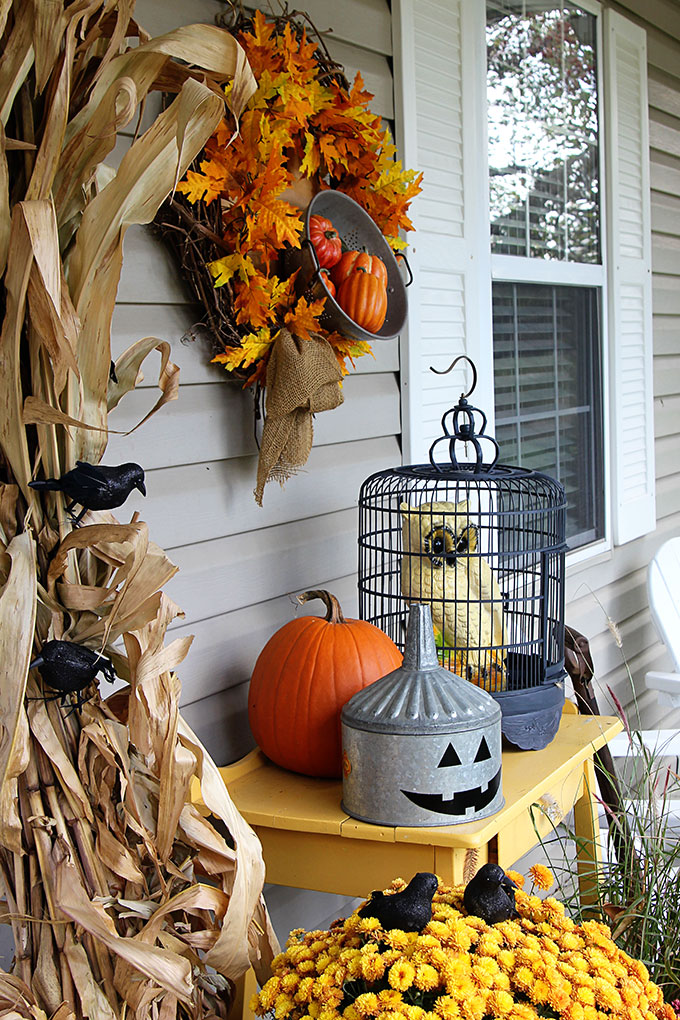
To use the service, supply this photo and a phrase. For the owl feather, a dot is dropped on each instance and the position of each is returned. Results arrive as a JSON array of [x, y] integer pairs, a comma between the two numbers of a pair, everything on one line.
[[442, 565]]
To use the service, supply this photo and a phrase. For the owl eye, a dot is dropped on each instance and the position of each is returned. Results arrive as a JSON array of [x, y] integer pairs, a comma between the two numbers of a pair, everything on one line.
[[439, 544]]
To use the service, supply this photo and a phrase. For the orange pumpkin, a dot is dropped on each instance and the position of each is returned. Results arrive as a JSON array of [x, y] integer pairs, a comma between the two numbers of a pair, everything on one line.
[[364, 298], [353, 260], [303, 677]]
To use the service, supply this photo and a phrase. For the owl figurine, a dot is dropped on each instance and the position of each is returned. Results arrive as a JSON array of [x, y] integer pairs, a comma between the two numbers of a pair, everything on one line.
[[441, 566]]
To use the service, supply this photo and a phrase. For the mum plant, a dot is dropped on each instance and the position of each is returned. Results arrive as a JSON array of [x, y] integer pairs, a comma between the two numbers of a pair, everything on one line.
[[542, 964]]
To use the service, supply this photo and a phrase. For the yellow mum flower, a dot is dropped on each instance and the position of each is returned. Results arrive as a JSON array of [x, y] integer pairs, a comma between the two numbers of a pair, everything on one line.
[[607, 997], [269, 992], [254, 1004], [289, 982], [489, 944], [427, 978], [304, 991], [369, 924], [482, 975], [500, 1003], [414, 1012], [389, 998], [506, 959], [283, 1005], [372, 968], [511, 932], [541, 876], [473, 1007], [401, 975], [397, 939], [515, 877], [447, 1007], [523, 1011], [367, 1004], [524, 979], [306, 966], [585, 995], [322, 961], [351, 1012], [328, 1014], [540, 991], [314, 1009], [574, 1011]]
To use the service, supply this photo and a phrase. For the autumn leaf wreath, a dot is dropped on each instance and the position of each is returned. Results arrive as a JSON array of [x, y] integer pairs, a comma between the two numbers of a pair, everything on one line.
[[241, 209]]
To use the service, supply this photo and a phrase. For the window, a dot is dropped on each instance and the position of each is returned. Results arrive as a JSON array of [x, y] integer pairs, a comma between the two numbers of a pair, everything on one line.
[[567, 274], [544, 200]]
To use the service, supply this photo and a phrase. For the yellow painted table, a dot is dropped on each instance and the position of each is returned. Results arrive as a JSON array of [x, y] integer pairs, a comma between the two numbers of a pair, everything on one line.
[[309, 842]]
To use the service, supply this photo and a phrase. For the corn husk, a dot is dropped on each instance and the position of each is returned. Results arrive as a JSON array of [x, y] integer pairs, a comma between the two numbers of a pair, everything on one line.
[[123, 899]]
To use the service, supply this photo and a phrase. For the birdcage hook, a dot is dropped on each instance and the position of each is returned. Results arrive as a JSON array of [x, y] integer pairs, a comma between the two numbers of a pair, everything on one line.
[[464, 428], [445, 371]]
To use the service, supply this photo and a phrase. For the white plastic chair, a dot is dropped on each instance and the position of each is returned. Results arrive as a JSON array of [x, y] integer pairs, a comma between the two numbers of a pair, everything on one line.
[[663, 589]]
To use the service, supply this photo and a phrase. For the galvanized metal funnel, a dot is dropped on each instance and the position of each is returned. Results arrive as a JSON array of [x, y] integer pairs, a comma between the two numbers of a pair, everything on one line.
[[421, 746]]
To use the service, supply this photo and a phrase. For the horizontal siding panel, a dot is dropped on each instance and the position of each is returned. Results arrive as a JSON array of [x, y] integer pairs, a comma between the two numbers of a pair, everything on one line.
[[179, 324], [666, 412], [625, 560], [246, 568], [664, 93], [664, 174], [665, 217], [661, 13], [209, 422], [665, 295], [666, 333], [225, 648], [199, 502], [667, 375], [664, 133], [666, 456], [667, 495], [221, 723]]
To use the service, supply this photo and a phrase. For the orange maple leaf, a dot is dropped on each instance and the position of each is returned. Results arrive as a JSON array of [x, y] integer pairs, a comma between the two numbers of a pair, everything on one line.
[[303, 319]]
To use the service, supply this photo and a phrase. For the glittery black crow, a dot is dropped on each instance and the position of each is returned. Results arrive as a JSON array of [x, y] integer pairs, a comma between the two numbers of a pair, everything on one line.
[[491, 895], [94, 486], [409, 910], [68, 668]]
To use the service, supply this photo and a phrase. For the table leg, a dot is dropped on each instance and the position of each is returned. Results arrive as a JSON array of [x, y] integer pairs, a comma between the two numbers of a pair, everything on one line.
[[587, 833], [450, 862], [246, 986]]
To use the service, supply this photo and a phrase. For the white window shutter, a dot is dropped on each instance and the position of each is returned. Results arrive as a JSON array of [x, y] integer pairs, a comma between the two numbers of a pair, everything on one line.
[[629, 278], [440, 86]]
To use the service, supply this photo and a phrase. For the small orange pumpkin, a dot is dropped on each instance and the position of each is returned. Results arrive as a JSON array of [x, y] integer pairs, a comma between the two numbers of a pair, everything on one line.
[[353, 260], [304, 675], [364, 298]]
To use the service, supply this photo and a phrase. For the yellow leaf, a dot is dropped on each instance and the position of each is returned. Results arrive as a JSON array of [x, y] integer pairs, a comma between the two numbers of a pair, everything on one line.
[[223, 269], [312, 159], [253, 347]]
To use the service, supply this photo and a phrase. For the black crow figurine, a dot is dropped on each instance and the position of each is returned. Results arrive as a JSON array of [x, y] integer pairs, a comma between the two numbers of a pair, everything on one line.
[[409, 910], [95, 487], [491, 895], [69, 668]]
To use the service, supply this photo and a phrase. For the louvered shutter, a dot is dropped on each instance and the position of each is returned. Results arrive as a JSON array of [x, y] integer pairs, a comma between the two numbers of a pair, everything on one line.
[[629, 278], [440, 68]]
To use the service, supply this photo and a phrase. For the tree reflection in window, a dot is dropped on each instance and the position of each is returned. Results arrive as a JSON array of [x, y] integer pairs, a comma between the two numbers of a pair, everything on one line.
[[543, 131]]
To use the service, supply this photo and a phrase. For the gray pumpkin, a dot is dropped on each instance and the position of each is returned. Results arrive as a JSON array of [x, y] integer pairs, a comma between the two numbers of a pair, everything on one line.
[[421, 746]]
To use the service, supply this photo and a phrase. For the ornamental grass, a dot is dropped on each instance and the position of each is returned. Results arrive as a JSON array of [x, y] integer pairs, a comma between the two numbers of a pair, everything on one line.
[[542, 964]]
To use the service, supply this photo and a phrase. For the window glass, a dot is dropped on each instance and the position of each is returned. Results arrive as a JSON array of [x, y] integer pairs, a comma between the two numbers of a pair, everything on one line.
[[543, 131], [547, 375]]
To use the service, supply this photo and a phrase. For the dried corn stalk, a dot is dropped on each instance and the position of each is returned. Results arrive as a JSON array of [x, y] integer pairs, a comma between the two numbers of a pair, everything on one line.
[[123, 899]]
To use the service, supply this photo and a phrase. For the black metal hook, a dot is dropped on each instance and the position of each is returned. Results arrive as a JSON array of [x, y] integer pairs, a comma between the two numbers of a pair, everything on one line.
[[445, 371]]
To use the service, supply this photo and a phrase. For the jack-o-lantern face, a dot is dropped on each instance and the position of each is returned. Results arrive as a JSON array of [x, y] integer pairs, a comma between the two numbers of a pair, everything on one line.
[[477, 797]]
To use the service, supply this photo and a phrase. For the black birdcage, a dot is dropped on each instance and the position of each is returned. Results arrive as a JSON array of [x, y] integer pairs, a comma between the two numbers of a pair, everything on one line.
[[483, 544]]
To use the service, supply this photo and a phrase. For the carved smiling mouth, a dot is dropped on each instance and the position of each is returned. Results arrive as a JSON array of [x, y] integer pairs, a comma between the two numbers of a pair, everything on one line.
[[476, 798]]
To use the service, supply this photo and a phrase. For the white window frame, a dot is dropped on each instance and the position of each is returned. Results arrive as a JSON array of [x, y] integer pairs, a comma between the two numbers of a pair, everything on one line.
[[519, 269], [453, 275]]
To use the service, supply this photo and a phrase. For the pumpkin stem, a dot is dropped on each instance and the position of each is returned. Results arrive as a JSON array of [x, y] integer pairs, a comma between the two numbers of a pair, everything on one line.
[[333, 610]]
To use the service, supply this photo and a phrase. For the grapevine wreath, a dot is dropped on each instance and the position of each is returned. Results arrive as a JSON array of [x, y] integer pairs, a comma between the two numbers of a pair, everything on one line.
[[240, 211]]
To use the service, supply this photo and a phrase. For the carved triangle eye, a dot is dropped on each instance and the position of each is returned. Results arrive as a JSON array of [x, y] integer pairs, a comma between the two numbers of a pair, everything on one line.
[[483, 752], [449, 758]]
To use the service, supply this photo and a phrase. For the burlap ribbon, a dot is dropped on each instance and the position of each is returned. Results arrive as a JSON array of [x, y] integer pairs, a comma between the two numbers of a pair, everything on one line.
[[303, 377]]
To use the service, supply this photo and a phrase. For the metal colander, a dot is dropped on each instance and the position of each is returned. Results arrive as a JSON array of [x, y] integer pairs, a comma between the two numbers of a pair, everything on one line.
[[357, 231]]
